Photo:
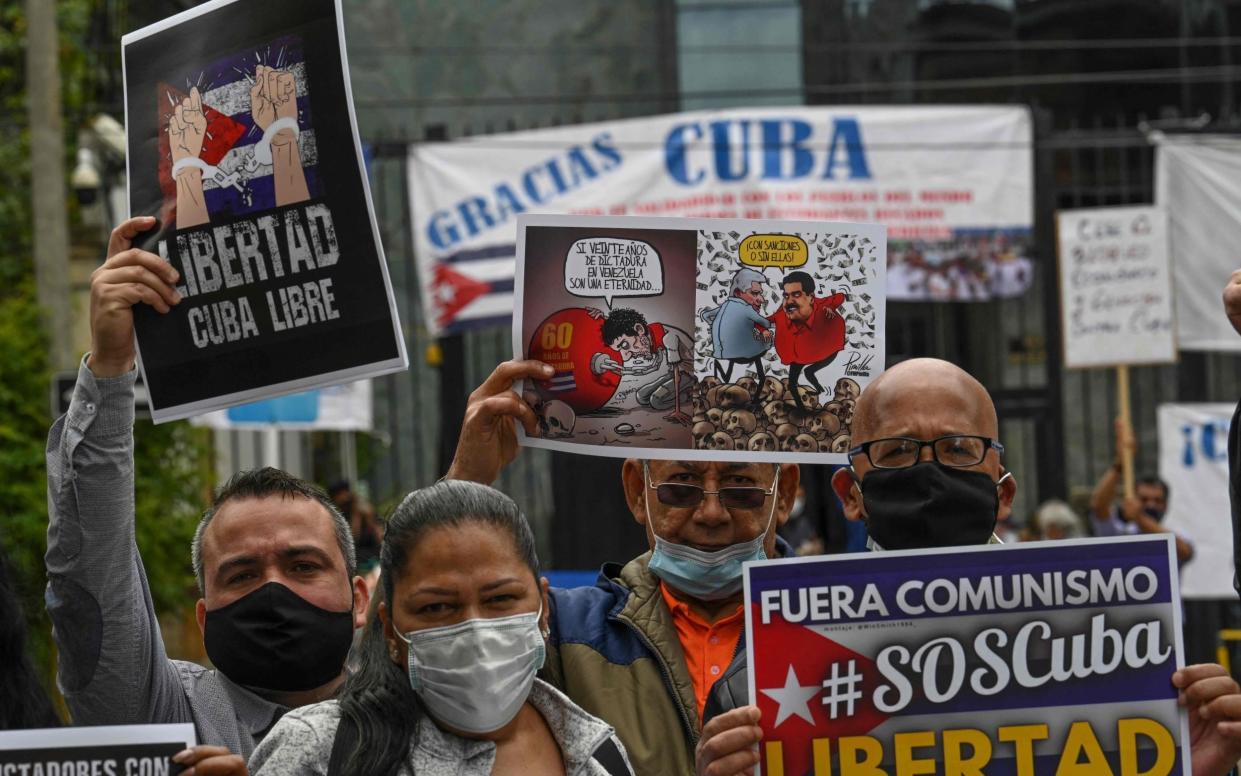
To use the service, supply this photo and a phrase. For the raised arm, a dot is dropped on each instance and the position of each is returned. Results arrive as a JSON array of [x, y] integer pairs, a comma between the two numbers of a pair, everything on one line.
[[112, 665], [1104, 494], [488, 440]]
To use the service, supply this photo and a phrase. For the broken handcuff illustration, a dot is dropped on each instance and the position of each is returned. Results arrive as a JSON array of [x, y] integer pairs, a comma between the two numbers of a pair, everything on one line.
[[260, 155]]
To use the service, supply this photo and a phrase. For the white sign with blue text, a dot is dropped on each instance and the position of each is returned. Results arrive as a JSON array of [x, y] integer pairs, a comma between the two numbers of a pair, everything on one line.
[[1193, 460], [953, 186]]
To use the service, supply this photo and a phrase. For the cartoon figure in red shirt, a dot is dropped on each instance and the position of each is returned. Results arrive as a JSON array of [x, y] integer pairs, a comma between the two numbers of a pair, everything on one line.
[[809, 331], [663, 354]]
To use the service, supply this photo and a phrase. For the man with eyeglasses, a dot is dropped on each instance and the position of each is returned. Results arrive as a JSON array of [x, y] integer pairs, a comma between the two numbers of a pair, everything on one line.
[[642, 648], [927, 472]]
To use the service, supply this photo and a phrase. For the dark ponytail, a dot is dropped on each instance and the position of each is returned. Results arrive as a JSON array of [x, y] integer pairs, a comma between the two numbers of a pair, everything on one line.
[[376, 700]]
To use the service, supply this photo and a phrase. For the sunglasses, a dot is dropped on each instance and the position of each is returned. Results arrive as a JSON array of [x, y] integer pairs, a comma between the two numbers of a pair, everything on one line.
[[684, 496]]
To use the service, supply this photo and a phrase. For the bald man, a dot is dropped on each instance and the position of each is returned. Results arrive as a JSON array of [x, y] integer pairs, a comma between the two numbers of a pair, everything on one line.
[[926, 472]]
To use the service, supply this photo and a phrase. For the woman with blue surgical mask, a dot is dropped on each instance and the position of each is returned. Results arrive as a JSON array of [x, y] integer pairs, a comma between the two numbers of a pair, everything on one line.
[[447, 679]]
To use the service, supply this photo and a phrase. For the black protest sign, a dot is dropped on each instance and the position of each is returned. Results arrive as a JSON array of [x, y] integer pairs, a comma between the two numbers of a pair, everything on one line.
[[102, 750], [119, 760], [242, 142]]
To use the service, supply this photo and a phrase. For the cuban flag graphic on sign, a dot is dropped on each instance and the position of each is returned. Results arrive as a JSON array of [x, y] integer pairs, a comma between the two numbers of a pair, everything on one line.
[[1046, 658], [236, 161]]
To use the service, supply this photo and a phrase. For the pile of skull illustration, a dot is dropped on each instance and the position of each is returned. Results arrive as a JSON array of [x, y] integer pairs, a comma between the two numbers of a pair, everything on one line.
[[727, 416]]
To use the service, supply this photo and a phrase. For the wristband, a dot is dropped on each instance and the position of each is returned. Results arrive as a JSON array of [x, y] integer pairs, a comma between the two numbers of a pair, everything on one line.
[[181, 165], [262, 149]]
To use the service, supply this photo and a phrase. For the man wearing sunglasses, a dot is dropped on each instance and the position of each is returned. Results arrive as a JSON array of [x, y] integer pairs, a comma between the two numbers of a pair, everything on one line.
[[926, 472], [642, 648]]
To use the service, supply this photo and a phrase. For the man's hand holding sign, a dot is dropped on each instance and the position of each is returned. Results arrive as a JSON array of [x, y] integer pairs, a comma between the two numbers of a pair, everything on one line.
[[128, 276]]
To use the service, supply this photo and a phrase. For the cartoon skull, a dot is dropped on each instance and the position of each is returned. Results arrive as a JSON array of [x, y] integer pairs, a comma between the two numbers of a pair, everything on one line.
[[846, 411], [714, 415], [749, 383], [739, 422], [804, 443], [785, 434], [701, 431], [761, 442], [841, 444], [771, 390], [825, 445], [823, 425], [720, 441], [777, 413], [732, 396], [809, 397], [560, 419], [847, 388]]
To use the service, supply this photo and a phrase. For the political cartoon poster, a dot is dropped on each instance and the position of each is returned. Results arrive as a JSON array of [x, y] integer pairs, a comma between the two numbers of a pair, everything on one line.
[[107, 750], [1034, 659], [699, 338], [242, 141]]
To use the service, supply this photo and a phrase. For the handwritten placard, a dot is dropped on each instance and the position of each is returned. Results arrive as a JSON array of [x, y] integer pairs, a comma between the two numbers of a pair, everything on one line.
[[1115, 287]]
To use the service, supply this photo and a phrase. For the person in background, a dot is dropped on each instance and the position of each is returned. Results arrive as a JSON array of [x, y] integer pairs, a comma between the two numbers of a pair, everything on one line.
[[367, 529], [926, 472], [801, 531], [1141, 513], [1055, 519], [642, 648], [24, 703], [447, 678]]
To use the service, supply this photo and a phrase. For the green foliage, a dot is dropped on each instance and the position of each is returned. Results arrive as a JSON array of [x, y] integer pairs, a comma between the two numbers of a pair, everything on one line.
[[172, 461]]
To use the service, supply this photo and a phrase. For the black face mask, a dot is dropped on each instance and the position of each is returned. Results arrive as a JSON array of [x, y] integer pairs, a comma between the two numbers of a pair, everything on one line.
[[929, 505], [273, 639]]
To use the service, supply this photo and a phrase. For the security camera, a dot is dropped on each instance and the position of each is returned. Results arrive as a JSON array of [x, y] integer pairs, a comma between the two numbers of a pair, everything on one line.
[[110, 133], [86, 179]]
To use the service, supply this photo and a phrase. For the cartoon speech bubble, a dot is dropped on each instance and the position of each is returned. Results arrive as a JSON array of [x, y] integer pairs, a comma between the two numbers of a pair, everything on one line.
[[773, 250], [609, 267]]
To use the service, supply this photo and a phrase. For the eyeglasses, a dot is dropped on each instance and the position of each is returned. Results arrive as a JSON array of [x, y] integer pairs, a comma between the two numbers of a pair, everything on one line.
[[684, 495], [903, 452]]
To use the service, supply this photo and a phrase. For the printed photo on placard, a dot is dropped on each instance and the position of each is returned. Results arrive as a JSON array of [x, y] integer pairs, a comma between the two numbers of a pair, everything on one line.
[[699, 338], [242, 142]]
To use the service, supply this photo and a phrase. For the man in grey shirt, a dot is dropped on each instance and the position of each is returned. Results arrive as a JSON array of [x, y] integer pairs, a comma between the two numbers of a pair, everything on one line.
[[273, 556]]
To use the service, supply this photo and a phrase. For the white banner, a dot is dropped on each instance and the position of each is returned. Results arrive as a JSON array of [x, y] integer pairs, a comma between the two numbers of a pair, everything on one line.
[[344, 407], [1193, 460], [1198, 183], [953, 185], [1115, 286]]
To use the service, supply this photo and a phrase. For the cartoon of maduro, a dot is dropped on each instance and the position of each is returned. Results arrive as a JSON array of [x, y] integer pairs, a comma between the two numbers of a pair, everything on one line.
[[738, 324], [273, 108], [809, 332], [663, 352]]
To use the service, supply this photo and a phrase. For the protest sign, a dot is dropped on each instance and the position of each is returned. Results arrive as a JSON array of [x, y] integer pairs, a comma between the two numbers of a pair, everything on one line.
[[952, 184], [1115, 287], [241, 138], [1033, 659], [1193, 460], [697, 338], [1198, 183], [106, 750]]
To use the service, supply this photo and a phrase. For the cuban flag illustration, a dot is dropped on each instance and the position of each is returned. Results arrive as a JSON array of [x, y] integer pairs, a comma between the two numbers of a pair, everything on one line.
[[1044, 658], [243, 181]]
